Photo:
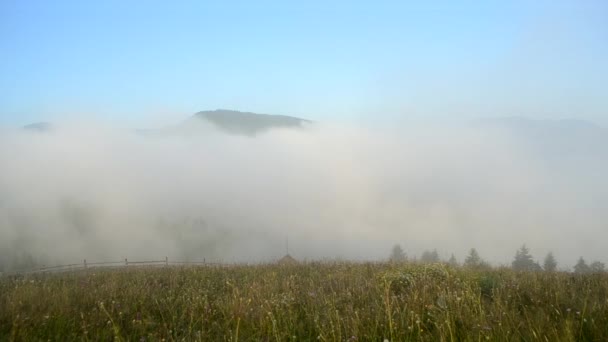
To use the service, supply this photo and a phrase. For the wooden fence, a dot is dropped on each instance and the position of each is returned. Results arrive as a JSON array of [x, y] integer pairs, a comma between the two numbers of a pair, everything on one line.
[[111, 264]]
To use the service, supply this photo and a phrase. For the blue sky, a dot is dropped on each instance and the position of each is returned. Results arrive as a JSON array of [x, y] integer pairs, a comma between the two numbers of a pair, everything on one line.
[[322, 60]]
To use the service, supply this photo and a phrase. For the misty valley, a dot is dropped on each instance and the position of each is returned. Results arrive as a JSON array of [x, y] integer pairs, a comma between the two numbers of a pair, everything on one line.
[[231, 186], [233, 224]]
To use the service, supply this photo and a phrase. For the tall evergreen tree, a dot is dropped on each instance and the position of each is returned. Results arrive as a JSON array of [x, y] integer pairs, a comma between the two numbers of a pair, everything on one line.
[[397, 254], [473, 259], [523, 260], [581, 266], [550, 265]]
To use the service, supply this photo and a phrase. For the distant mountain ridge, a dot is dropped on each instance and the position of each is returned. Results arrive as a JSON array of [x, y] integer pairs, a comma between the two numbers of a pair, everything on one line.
[[247, 123], [38, 127], [227, 121]]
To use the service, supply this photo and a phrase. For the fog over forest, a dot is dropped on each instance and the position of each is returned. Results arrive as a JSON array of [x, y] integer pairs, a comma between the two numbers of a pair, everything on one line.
[[102, 191]]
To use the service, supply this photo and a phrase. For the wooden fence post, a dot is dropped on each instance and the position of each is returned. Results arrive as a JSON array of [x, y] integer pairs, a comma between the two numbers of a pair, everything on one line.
[[85, 264], [126, 262]]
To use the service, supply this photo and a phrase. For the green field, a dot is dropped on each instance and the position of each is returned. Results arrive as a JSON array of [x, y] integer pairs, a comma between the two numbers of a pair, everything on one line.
[[305, 302]]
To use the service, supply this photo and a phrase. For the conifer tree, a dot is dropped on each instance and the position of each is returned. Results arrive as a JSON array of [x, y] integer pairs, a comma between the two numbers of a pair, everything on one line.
[[397, 254], [550, 265], [581, 266], [523, 260]]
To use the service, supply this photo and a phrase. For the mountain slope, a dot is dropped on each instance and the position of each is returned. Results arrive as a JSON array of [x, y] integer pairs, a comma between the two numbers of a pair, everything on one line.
[[38, 127], [246, 123]]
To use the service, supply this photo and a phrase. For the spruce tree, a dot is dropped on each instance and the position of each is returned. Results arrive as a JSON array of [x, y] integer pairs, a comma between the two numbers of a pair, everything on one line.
[[581, 266], [550, 265], [397, 254], [523, 260], [473, 259]]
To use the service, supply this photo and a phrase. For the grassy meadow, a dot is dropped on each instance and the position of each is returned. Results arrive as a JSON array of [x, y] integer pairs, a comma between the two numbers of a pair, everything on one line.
[[304, 302]]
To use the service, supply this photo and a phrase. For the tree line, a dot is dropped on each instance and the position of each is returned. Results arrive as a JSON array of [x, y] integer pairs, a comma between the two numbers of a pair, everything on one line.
[[522, 261]]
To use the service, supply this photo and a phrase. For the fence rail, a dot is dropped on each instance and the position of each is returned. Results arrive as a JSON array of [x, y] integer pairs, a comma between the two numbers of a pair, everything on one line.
[[109, 264], [103, 263]]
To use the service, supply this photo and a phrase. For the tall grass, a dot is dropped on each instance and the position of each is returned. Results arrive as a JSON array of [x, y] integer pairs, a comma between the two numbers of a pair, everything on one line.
[[305, 302]]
